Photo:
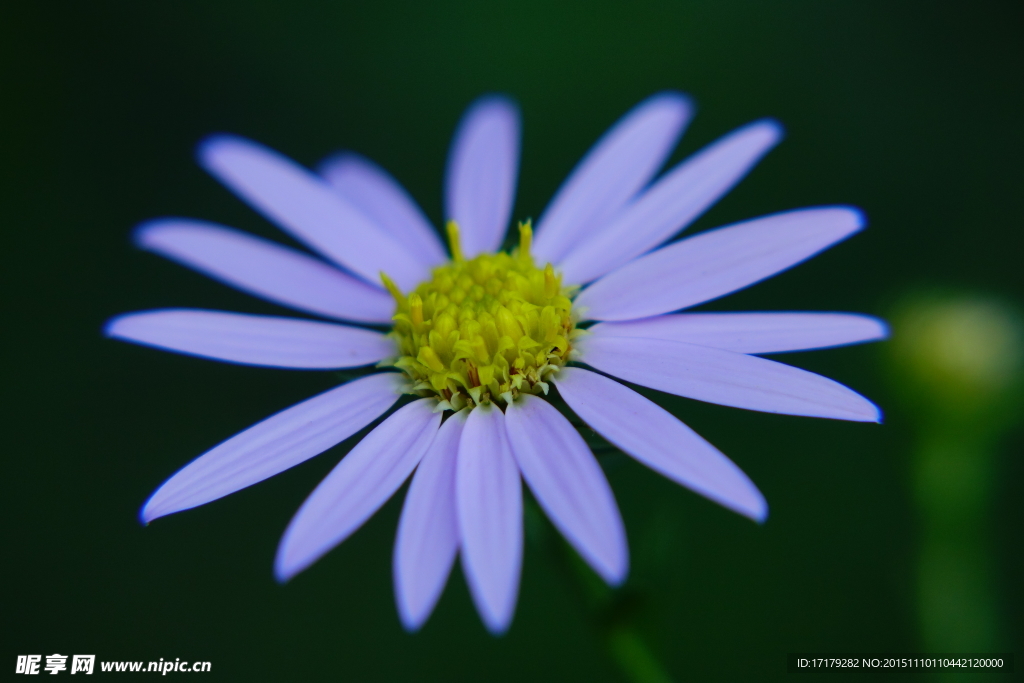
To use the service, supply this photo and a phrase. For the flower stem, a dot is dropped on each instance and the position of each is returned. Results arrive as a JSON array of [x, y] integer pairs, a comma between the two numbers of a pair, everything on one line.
[[614, 614], [958, 365]]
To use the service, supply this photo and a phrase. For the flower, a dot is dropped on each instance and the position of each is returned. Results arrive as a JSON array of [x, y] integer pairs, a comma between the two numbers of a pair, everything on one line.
[[481, 338]]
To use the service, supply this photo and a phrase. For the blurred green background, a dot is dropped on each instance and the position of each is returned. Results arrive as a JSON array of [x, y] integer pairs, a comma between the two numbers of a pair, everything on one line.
[[912, 111]]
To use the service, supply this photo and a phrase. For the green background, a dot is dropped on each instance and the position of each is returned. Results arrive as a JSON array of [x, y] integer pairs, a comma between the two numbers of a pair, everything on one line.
[[910, 110]]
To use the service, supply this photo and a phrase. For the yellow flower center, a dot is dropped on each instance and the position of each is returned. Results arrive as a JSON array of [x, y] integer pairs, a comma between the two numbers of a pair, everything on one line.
[[484, 329]]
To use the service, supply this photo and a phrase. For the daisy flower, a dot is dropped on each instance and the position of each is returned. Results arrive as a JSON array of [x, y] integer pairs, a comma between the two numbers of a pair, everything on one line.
[[481, 336]]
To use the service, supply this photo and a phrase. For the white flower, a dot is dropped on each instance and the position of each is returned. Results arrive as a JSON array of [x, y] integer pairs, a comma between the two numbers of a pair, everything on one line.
[[486, 334]]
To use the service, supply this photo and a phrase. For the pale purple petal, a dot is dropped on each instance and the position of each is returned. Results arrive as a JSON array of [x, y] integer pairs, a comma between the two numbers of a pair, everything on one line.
[[716, 262], [306, 206], [569, 484], [428, 532], [357, 487], [490, 506], [653, 436], [480, 182], [372, 190], [253, 339], [753, 332], [266, 269], [678, 198], [725, 377], [621, 163], [281, 441]]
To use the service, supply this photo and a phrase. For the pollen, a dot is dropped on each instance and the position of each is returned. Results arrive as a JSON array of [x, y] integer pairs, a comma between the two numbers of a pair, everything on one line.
[[485, 329]]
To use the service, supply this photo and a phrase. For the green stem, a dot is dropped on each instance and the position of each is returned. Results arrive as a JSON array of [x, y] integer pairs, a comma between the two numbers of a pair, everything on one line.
[[614, 614], [956, 600]]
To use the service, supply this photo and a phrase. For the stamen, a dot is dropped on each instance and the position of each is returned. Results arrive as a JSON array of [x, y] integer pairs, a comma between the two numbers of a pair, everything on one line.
[[416, 311], [525, 240], [550, 283], [484, 330], [453, 241], [392, 288], [429, 357]]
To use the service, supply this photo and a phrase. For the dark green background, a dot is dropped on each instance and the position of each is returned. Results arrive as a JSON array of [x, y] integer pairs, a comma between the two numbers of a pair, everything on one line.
[[912, 111]]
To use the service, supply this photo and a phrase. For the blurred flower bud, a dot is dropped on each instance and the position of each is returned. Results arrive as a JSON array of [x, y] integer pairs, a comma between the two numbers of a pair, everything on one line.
[[958, 356]]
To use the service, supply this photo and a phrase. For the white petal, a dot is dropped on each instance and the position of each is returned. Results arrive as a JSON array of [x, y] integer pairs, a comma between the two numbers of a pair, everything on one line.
[[306, 206], [281, 441], [266, 269], [428, 532], [716, 262], [678, 198], [621, 163], [372, 190], [726, 378], [253, 339], [569, 484], [357, 487], [753, 332], [490, 506], [653, 436], [480, 183]]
